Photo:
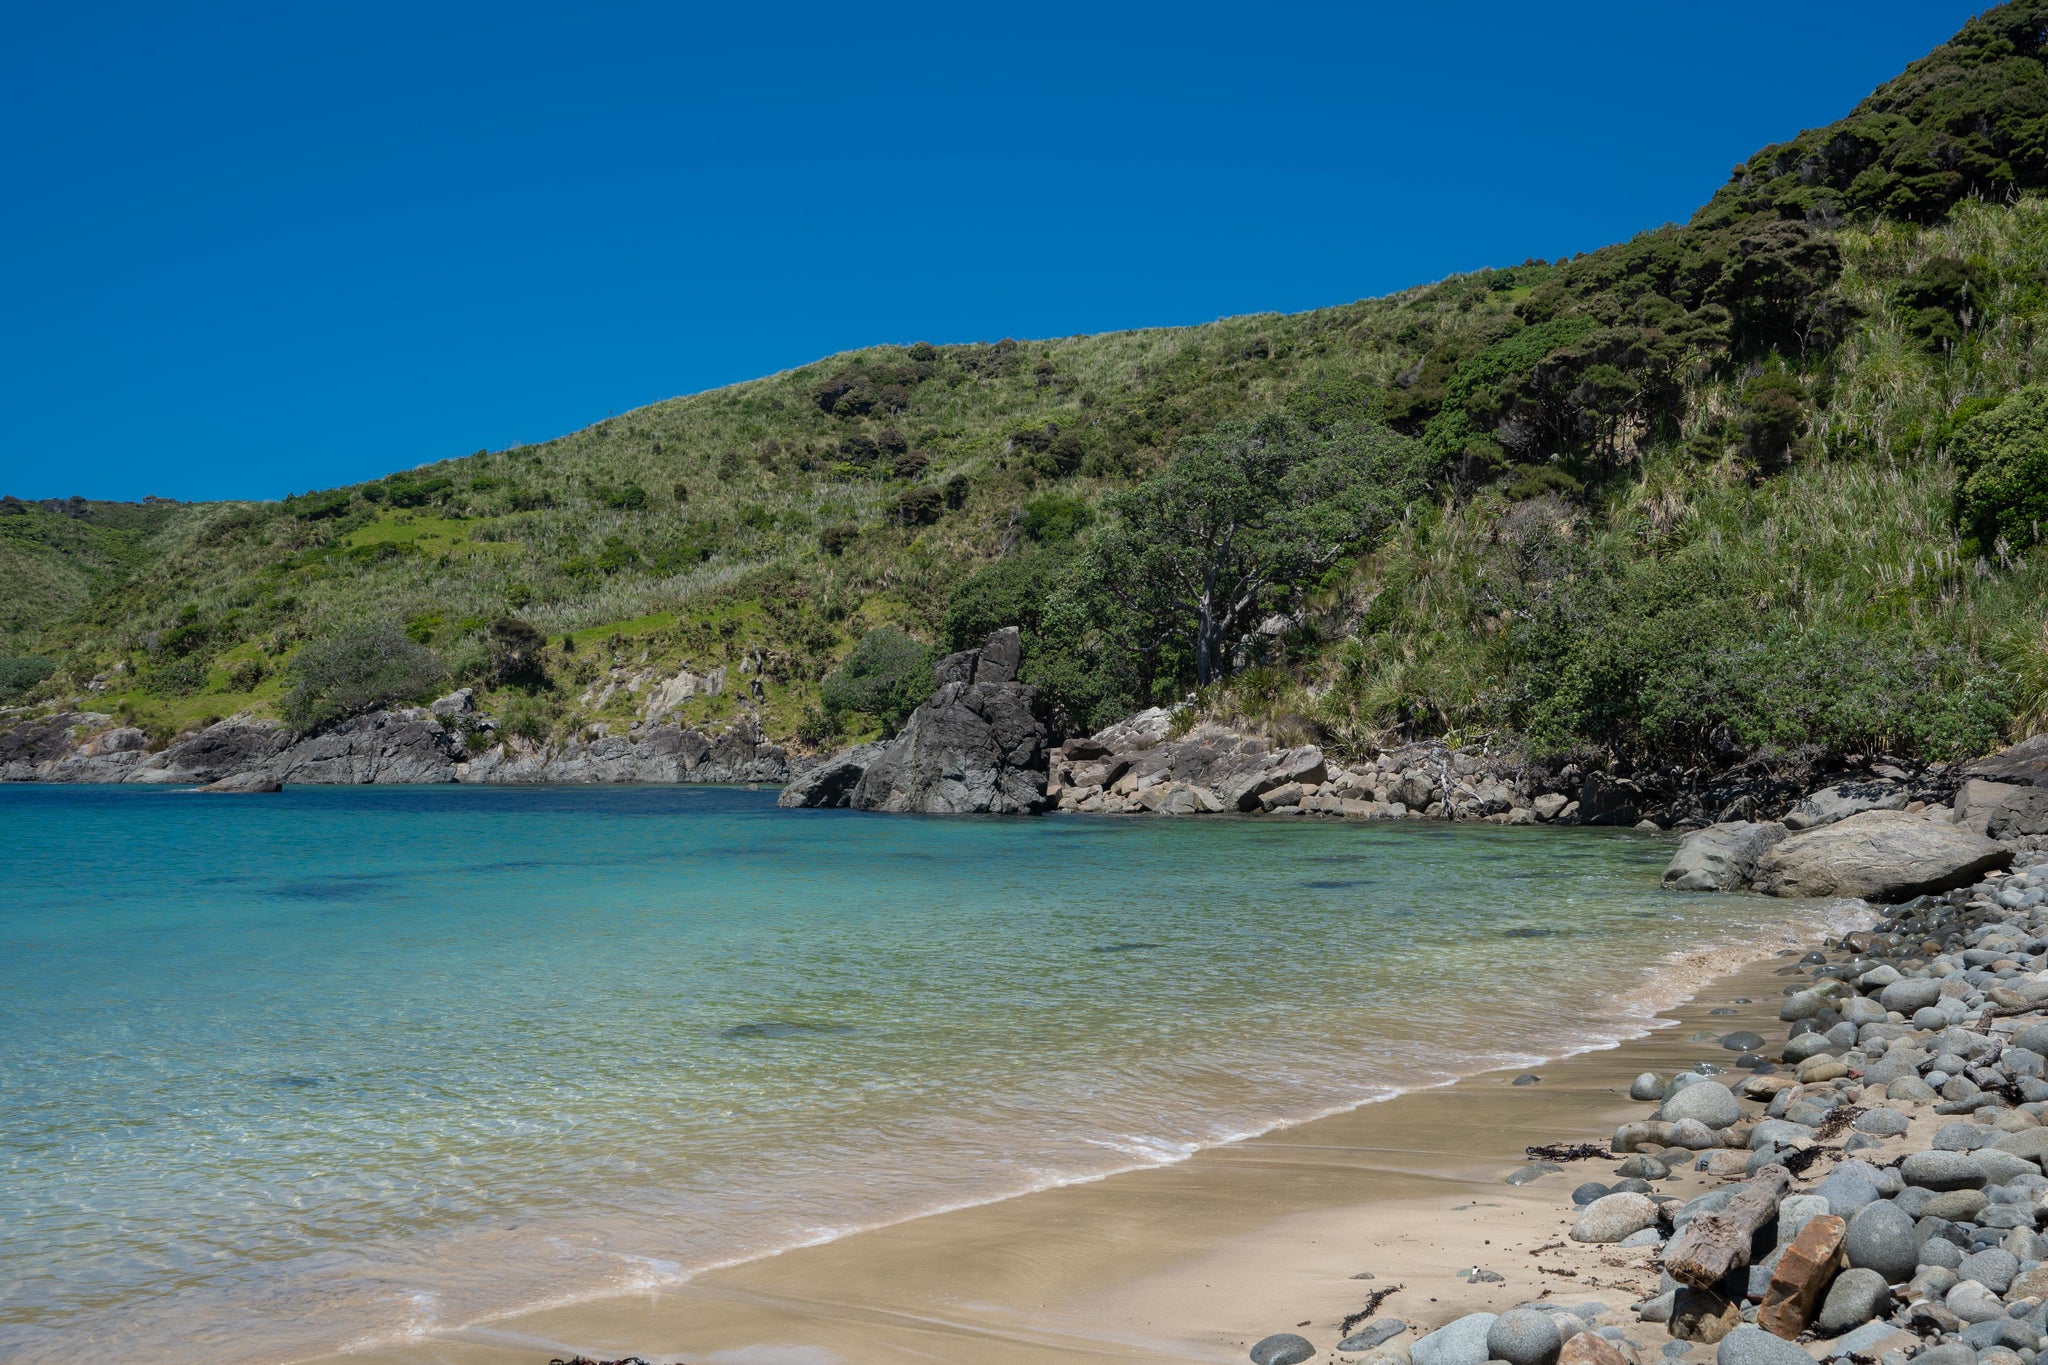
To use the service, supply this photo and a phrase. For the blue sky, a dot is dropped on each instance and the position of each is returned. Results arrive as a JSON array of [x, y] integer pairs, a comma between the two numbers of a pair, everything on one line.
[[253, 250]]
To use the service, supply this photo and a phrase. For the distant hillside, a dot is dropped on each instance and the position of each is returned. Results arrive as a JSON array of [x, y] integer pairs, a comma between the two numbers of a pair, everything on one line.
[[1728, 488]]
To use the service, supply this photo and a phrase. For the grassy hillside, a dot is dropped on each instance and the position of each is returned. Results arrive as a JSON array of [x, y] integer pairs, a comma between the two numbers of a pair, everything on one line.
[[1737, 486]]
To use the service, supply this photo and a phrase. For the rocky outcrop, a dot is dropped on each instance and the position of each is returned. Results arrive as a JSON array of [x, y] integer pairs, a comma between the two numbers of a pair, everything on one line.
[[2002, 810], [1881, 856], [1842, 800], [445, 742], [1721, 857], [976, 747], [243, 784], [2024, 764]]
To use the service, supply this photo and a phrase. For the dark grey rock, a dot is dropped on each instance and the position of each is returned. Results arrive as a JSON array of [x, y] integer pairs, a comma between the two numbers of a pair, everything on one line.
[[1744, 1041], [1963, 1137], [1846, 1193], [1648, 1086], [1856, 1296], [1642, 1166], [1720, 857], [1993, 1268], [830, 783], [1940, 1251], [1283, 1348], [1588, 1192]]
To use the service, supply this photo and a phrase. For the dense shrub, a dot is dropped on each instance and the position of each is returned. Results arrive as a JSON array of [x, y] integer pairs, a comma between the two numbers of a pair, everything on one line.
[[410, 490], [886, 676], [318, 506], [2002, 471], [1056, 516], [19, 673], [358, 669], [626, 498], [516, 653]]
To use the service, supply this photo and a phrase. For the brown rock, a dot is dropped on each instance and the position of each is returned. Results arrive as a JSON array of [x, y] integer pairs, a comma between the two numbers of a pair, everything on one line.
[[1704, 1315], [1803, 1275], [1590, 1348]]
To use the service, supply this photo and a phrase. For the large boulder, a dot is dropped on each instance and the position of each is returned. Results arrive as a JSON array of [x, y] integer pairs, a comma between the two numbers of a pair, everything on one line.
[[831, 782], [2024, 764], [1879, 855], [1721, 857], [974, 748], [235, 745], [1242, 791], [384, 747], [1843, 800], [2000, 810]]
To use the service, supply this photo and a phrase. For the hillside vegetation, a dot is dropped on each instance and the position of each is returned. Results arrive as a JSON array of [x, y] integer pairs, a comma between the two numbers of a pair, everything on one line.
[[1770, 481]]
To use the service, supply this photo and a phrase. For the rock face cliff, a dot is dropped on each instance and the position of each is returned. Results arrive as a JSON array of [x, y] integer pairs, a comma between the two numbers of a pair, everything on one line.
[[976, 747], [446, 742]]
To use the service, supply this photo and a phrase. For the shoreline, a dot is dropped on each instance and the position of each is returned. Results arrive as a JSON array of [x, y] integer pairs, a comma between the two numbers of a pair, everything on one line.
[[954, 1272]]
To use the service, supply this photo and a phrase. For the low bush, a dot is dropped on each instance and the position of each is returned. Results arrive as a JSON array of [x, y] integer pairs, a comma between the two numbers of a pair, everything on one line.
[[2001, 459], [358, 669], [887, 676], [21, 672]]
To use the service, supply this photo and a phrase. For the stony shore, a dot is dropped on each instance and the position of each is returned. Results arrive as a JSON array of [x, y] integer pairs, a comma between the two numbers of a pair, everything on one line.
[[1877, 1178]]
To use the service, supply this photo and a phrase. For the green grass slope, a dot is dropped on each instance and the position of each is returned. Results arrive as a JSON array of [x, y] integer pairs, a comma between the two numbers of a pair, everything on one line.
[[1731, 487]]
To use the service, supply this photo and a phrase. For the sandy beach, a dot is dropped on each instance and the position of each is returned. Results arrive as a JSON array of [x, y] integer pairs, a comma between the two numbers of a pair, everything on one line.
[[1197, 1260]]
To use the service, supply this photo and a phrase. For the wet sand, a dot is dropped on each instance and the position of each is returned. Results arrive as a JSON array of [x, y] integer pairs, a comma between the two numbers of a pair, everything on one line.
[[1193, 1261]]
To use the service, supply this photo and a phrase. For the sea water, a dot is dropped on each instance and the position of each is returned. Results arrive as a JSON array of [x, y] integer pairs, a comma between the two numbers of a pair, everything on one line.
[[287, 1073]]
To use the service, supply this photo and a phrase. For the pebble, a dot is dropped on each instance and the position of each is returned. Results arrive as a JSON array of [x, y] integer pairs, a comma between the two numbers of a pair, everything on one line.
[[1535, 1170], [1742, 1042], [1283, 1348], [1883, 1237], [1882, 1123], [1588, 1192], [1993, 1268], [1648, 1086], [1972, 1302], [1641, 1166], [1527, 1079]]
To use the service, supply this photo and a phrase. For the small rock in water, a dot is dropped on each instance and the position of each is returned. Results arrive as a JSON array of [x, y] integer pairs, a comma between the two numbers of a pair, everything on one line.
[[1528, 1079], [1282, 1348], [1742, 1042], [1721, 1009], [1704, 1037], [1535, 1170]]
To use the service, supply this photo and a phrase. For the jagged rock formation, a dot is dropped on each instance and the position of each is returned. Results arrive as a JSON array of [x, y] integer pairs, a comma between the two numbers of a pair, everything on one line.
[[446, 742], [976, 747]]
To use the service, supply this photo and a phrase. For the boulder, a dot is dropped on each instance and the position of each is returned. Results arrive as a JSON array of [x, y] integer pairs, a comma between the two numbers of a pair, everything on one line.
[[831, 782], [1282, 1348], [2024, 764], [243, 784], [2001, 810], [1284, 766], [1720, 857], [1524, 1336], [1843, 800], [1878, 855], [1707, 1102], [1856, 1296], [234, 745], [973, 748], [384, 747], [1613, 1217], [1462, 1342]]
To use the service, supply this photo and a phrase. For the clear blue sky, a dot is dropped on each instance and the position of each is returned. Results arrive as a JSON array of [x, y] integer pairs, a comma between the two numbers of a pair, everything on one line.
[[251, 250]]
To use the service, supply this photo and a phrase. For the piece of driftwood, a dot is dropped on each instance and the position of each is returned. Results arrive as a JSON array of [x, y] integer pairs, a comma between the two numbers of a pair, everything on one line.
[[1715, 1243]]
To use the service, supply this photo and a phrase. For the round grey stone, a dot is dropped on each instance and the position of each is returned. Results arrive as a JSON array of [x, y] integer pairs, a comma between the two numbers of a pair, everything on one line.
[[1940, 1251], [1883, 1238], [1641, 1166], [1909, 994], [1994, 1268], [1612, 1218], [1956, 1206], [1283, 1348], [1742, 1042], [1882, 1123], [1648, 1086], [1856, 1296], [2034, 1039], [1748, 1345], [1707, 1102], [1524, 1336], [1972, 1302], [1693, 1135], [1846, 1193], [1588, 1192], [1963, 1137], [1462, 1342]]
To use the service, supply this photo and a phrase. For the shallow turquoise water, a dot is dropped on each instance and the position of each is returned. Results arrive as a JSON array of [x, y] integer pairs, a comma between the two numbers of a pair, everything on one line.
[[293, 1072]]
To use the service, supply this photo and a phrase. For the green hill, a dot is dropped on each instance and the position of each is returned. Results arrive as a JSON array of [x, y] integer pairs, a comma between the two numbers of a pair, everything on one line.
[[1769, 480]]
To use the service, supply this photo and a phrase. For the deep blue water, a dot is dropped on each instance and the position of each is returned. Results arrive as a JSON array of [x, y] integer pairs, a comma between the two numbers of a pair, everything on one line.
[[285, 1073]]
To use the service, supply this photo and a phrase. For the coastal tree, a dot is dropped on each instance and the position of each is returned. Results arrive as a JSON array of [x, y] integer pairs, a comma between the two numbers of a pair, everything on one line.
[[887, 676], [1244, 519], [358, 668]]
